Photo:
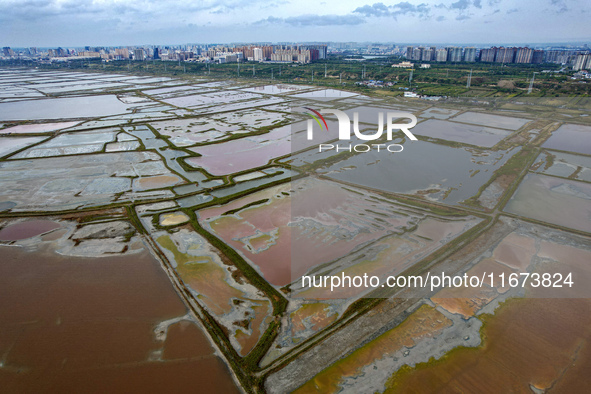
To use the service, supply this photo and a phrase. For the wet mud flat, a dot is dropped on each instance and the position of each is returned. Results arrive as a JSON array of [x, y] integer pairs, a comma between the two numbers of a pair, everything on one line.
[[109, 324], [531, 345]]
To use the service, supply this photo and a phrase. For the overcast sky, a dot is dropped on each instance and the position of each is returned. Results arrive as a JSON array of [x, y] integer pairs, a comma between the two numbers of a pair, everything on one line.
[[71, 23]]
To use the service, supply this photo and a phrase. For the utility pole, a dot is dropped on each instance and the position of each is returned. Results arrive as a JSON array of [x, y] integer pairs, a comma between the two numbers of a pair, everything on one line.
[[363, 71], [253, 70], [469, 80], [341, 78], [238, 69], [312, 76], [531, 83], [324, 70], [272, 74], [410, 77], [280, 70]]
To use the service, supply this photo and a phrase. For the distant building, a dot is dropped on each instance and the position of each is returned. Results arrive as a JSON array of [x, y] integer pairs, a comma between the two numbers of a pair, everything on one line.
[[488, 55], [156, 54], [470, 54], [538, 56], [403, 65], [417, 54], [454, 54], [258, 55], [409, 52], [138, 54], [88, 54], [322, 50], [441, 55], [524, 55], [121, 53], [582, 62], [505, 55], [427, 55], [226, 57]]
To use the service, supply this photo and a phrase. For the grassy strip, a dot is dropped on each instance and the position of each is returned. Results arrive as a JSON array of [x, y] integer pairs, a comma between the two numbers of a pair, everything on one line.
[[216, 332], [441, 210], [252, 204], [250, 362], [279, 303], [512, 168]]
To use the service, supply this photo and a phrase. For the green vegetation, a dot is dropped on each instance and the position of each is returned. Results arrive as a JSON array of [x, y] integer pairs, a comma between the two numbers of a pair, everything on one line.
[[252, 204], [442, 79]]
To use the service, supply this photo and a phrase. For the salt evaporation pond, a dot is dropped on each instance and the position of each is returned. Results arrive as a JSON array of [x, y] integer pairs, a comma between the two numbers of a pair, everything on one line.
[[572, 138], [27, 229], [459, 172], [63, 108]]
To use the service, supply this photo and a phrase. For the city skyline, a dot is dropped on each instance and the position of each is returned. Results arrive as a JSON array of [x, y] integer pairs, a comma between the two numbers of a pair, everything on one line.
[[45, 23]]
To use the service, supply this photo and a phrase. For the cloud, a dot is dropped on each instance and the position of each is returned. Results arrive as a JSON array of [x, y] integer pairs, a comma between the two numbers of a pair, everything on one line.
[[145, 9], [560, 5], [440, 18], [512, 10], [402, 8], [377, 9], [460, 5], [462, 17], [316, 20]]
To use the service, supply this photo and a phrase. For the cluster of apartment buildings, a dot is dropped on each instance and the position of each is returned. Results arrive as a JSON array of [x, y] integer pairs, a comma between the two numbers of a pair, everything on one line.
[[447, 54], [268, 53], [520, 55], [201, 53]]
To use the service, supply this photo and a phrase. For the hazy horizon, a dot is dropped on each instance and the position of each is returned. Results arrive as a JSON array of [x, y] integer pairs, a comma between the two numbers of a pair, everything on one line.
[[69, 23]]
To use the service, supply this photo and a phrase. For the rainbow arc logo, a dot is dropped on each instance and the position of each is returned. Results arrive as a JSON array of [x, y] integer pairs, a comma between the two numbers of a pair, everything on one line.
[[316, 119]]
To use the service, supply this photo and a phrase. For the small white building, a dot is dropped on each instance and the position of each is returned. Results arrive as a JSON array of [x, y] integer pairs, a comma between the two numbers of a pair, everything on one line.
[[403, 65]]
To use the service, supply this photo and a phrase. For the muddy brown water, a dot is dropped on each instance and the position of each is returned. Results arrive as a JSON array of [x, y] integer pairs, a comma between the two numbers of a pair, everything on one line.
[[542, 343], [72, 324], [28, 229]]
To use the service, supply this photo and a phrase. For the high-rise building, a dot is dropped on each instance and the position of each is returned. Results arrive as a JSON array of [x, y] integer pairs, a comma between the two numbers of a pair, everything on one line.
[[581, 61], [505, 55], [454, 54], [417, 53], [488, 54], [156, 53], [470, 54], [267, 52], [538, 56], [258, 54], [138, 54], [322, 50], [121, 53], [441, 55], [409, 52], [427, 55], [524, 55]]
